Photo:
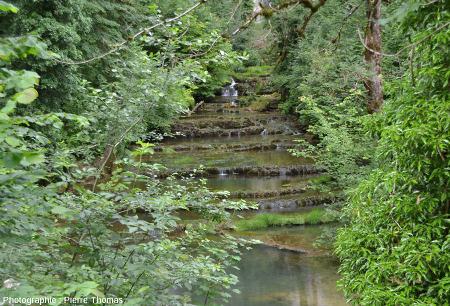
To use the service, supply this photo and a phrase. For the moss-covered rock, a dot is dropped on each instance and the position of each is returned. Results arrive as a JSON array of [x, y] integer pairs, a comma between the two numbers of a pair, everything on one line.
[[264, 103]]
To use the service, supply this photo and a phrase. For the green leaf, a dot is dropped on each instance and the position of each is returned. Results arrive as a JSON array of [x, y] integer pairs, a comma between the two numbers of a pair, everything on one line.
[[5, 6], [400, 13], [97, 292], [11, 159], [27, 96], [10, 105], [27, 79], [60, 210], [12, 141], [4, 117], [33, 158]]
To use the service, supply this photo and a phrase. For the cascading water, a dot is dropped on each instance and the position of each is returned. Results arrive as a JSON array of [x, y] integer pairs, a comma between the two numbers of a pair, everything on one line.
[[245, 153], [229, 90]]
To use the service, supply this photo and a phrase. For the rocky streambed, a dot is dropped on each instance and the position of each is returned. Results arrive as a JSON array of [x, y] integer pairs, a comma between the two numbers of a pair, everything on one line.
[[241, 147]]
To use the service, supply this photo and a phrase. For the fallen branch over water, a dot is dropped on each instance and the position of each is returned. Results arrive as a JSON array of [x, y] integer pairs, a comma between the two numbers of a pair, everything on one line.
[[195, 108]]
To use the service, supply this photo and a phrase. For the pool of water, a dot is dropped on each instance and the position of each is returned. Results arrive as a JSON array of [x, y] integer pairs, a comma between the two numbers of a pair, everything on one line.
[[268, 276], [244, 139], [228, 159], [287, 268], [242, 183]]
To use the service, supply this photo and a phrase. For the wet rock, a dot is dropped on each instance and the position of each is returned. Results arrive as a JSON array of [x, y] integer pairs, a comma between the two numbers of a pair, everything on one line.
[[194, 131], [267, 194], [264, 103], [254, 86], [177, 231], [246, 170], [292, 204], [284, 247], [223, 123]]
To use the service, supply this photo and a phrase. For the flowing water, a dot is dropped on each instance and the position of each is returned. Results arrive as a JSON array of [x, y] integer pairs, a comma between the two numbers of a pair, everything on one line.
[[245, 153], [269, 276]]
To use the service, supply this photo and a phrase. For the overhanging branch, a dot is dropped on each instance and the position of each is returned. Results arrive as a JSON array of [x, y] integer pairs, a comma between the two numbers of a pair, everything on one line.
[[131, 38], [406, 47]]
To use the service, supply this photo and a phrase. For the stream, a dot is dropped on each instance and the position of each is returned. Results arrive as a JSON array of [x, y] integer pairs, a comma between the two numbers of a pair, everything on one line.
[[245, 152]]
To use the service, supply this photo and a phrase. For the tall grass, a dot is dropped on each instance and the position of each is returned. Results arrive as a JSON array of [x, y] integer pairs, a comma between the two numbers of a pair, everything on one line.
[[317, 216], [254, 71]]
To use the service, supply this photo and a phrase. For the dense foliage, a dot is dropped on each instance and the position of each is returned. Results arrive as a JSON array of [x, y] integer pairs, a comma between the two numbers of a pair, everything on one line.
[[396, 248], [325, 90], [389, 170], [65, 230], [156, 74]]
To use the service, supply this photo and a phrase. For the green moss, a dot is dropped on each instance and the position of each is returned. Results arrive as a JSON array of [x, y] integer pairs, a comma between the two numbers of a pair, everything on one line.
[[321, 179], [317, 216], [254, 72], [263, 102], [267, 13], [246, 100], [259, 105]]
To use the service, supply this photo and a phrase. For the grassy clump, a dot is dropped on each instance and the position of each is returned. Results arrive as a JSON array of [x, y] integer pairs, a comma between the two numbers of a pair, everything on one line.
[[317, 216], [263, 102], [259, 105], [254, 71]]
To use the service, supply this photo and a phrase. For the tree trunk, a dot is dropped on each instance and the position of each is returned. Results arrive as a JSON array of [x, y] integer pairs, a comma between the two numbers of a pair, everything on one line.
[[372, 40]]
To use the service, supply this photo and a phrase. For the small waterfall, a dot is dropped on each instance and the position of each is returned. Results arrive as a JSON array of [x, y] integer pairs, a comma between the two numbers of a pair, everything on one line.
[[229, 90], [222, 171], [264, 132]]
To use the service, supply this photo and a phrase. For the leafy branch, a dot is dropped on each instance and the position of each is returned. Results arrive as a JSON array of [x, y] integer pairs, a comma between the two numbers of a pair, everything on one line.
[[133, 37]]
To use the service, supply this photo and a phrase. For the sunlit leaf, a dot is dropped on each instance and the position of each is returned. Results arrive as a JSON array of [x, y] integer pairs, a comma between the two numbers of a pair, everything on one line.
[[8, 7], [12, 141], [27, 96]]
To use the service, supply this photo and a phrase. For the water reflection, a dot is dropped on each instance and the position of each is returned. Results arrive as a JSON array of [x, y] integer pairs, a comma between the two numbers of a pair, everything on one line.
[[228, 159], [269, 276], [257, 184]]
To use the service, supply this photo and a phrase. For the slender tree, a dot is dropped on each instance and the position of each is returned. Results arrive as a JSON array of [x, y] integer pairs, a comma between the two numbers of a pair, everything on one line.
[[373, 39]]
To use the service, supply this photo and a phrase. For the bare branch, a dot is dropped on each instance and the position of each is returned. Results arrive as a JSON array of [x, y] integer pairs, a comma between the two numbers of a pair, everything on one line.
[[411, 66], [284, 4], [406, 47], [234, 11], [111, 148], [300, 30], [269, 31], [217, 39], [337, 39], [184, 33], [195, 108], [306, 3], [207, 51], [429, 3]]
